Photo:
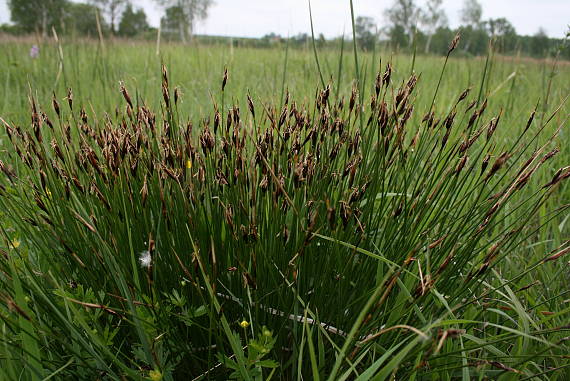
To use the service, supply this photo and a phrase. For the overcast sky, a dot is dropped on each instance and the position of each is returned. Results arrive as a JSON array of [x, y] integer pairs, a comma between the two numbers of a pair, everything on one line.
[[255, 18]]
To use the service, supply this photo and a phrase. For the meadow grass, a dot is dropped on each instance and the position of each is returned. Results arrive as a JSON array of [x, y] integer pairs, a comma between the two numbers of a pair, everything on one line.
[[164, 220]]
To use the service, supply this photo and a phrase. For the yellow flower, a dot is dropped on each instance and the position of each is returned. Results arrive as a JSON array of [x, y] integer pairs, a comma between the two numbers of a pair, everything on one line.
[[155, 375], [188, 163], [48, 193], [14, 244], [244, 324]]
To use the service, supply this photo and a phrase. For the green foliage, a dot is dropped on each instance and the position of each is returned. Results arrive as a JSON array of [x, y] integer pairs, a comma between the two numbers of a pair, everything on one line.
[[540, 44], [172, 24], [403, 16], [398, 37], [474, 40], [255, 364], [37, 15], [372, 242], [133, 23], [182, 15], [113, 9], [81, 19], [503, 32], [433, 18], [411, 29], [366, 32]]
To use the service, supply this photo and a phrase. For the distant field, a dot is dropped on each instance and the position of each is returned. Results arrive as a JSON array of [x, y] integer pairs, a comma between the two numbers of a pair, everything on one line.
[[94, 72], [131, 249]]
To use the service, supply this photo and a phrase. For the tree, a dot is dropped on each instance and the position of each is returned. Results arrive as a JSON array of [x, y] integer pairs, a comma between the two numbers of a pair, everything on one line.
[[112, 9], [539, 44], [403, 14], [441, 39], [471, 18], [188, 13], [270, 39], [499, 27], [398, 36], [476, 40], [171, 24], [133, 23], [321, 40], [471, 13], [82, 19], [432, 18], [503, 31], [300, 39], [366, 32], [36, 15]]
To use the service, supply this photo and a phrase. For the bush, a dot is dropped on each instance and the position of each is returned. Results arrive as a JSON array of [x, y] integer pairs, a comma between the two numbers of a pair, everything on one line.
[[339, 238]]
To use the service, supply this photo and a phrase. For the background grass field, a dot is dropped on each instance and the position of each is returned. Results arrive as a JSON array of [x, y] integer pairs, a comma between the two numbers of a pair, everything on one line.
[[516, 85], [528, 304]]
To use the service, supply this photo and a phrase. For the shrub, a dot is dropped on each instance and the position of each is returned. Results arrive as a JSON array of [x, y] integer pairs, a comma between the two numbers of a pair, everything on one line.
[[364, 239]]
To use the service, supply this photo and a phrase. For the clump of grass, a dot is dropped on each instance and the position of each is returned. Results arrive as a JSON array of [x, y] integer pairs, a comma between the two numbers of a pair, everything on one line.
[[353, 229]]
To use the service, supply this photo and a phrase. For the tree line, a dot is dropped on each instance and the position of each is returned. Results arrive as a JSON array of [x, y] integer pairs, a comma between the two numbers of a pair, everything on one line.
[[407, 27], [92, 18], [426, 29]]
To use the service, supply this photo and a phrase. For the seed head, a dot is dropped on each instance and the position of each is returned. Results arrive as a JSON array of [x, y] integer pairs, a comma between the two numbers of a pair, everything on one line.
[[164, 75], [55, 105], [387, 74], [378, 84], [126, 95], [454, 43], [225, 79], [499, 162], [250, 105], [177, 93], [353, 96], [464, 94], [145, 259], [70, 98], [561, 174], [530, 119]]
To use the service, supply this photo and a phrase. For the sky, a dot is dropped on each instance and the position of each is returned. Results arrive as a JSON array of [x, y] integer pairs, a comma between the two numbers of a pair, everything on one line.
[[255, 18]]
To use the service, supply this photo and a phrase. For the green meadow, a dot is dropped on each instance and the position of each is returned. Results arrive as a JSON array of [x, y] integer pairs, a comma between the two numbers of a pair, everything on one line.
[[209, 212]]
